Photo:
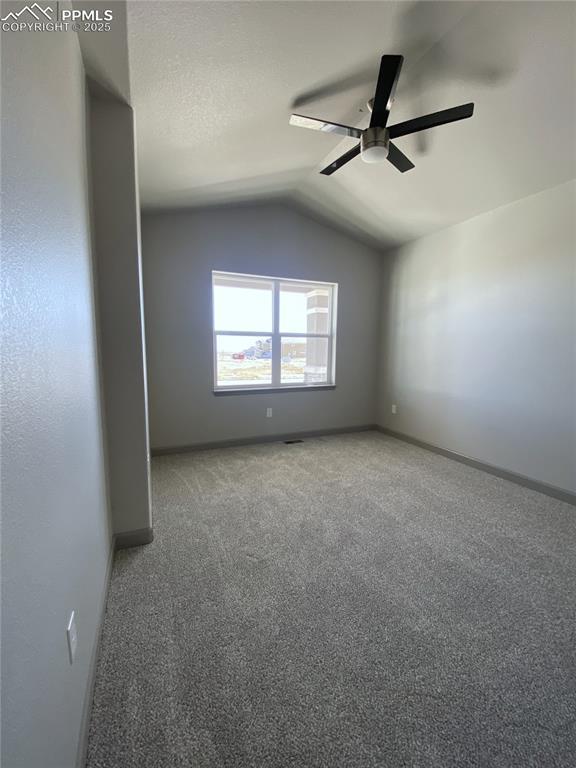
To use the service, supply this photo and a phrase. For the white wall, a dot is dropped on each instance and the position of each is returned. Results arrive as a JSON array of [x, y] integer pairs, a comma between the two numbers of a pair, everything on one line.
[[180, 250], [56, 535], [479, 338]]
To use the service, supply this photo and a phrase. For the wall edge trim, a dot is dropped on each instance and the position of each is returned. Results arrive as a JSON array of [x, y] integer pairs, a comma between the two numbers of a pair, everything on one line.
[[491, 469]]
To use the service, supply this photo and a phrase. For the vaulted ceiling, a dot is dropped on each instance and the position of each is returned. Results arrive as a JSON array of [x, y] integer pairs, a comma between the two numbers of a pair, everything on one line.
[[213, 85]]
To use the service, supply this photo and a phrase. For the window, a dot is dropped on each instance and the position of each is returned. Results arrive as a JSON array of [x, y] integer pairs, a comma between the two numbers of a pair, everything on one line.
[[272, 333]]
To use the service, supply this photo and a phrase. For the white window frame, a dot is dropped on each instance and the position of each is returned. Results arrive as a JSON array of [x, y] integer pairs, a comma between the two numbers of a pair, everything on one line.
[[276, 336]]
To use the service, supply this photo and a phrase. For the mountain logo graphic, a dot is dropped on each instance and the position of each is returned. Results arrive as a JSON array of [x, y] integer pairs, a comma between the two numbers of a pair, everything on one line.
[[39, 13]]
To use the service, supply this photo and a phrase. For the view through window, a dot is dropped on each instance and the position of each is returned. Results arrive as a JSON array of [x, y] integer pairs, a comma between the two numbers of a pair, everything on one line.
[[272, 332]]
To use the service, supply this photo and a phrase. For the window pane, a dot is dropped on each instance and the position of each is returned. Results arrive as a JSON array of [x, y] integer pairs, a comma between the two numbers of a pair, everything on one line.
[[242, 304], [304, 308], [304, 361], [243, 360]]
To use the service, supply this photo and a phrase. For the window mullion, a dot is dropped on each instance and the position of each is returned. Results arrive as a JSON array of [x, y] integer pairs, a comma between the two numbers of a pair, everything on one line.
[[276, 342]]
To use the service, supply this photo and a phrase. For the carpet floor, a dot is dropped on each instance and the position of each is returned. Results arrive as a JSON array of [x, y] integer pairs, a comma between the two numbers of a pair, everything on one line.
[[349, 601]]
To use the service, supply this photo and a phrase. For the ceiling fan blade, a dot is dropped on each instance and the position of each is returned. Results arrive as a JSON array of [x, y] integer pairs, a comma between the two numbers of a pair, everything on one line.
[[390, 67], [342, 160], [322, 125], [399, 159], [431, 121]]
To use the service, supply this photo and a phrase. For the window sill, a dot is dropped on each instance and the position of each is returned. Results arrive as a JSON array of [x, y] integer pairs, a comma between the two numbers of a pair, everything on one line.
[[272, 390]]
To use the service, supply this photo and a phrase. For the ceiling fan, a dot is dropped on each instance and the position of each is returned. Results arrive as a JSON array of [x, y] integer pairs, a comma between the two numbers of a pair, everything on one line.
[[375, 145]]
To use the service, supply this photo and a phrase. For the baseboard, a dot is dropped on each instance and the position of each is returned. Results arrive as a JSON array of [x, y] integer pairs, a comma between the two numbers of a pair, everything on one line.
[[82, 751], [505, 474], [261, 439], [119, 541], [134, 538]]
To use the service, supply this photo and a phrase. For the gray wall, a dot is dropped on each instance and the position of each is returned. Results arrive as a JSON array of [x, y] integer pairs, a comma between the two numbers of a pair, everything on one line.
[[479, 338], [56, 536], [119, 280], [180, 250], [105, 55]]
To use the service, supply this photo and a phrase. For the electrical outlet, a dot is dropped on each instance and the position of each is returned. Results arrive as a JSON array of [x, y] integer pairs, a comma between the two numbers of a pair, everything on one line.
[[394, 409], [72, 637], [268, 413]]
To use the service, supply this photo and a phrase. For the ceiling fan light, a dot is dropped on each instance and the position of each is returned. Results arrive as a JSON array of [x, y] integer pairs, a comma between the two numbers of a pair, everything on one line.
[[374, 145], [376, 153]]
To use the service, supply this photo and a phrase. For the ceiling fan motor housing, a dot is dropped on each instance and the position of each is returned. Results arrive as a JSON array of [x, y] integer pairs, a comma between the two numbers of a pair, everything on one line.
[[374, 144]]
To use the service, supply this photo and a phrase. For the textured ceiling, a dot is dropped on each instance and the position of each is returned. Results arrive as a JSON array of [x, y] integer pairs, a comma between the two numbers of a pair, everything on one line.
[[213, 85]]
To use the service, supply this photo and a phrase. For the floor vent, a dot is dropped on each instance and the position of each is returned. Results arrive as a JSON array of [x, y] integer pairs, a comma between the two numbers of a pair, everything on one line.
[[291, 442]]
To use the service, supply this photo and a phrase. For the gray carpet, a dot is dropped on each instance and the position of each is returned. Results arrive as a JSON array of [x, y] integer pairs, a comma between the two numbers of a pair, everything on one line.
[[349, 601]]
